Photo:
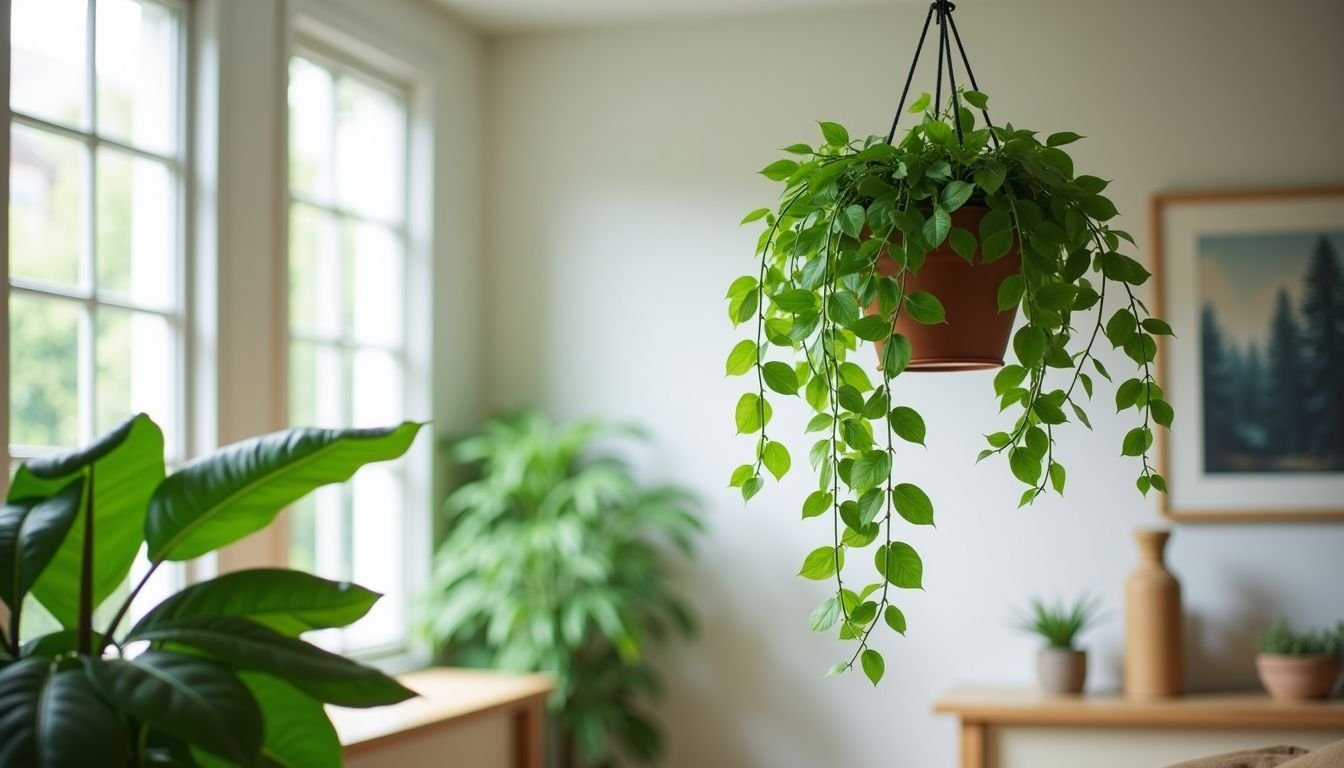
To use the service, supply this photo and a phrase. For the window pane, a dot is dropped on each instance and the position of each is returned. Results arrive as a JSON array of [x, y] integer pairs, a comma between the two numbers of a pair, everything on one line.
[[316, 385], [370, 151], [316, 292], [312, 107], [137, 370], [376, 389], [50, 63], [44, 371], [376, 264], [46, 188], [379, 539], [137, 90], [136, 229]]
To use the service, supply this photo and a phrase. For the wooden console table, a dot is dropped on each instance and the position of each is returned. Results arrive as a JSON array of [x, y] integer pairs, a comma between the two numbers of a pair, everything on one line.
[[1017, 729], [466, 716]]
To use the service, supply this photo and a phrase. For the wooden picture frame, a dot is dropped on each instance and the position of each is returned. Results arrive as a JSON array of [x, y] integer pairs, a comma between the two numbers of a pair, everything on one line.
[[1198, 239]]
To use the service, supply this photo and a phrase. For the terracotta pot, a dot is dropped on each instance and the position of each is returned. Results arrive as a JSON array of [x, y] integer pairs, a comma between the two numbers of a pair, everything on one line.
[[1297, 678], [976, 333], [1154, 648], [1061, 670]]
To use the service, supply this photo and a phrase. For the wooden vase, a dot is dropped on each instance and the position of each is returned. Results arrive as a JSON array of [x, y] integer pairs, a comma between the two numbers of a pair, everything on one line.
[[1154, 651]]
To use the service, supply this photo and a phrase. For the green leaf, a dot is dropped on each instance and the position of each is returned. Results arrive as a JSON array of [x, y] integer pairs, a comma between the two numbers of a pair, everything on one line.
[[1127, 394], [749, 413], [870, 505], [817, 393], [1057, 296], [740, 286], [239, 490], [1061, 138], [922, 103], [843, 308], [798, 149], [907, 424], [990, 178], [937, 225], [964, 243], [289, 602], [837, 669], [742, 358], [997, 245], [956, 193], [870, 470], [1099, 208], [247, 645], [1081, 414], [298, 732], [1026, 466], [900, 565], [31, 532], [779, 170], [127, 464], [896, 354], [825, 616], [1137, 442], [817, 503], [1057, 477], [976, 99], [851, 220], [1009, 377], [54, 719], [834, 133], [912, 504], [781, 378], [873, 666], [755, 215], [191, 698], [894, 618], [925, 308], [822, 563], [796, 300], [744, 307], [742, 474], [1048, 412], [1010, 292], [1157, 327], [776, 459], [1029, 344], [1162, 412], [872, 328], [752, 487]]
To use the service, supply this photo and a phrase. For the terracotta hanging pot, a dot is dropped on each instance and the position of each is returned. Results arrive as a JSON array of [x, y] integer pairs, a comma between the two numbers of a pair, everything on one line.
[[976, 333]]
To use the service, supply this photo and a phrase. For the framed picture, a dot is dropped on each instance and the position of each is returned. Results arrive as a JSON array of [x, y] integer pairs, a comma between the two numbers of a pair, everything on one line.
[[1253, 284]]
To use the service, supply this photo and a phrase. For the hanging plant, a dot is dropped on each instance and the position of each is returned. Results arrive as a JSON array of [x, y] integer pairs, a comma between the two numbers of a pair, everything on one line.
[[927, 249]]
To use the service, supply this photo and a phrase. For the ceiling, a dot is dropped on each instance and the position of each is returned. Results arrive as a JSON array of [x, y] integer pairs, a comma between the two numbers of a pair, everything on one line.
[[518, 15]]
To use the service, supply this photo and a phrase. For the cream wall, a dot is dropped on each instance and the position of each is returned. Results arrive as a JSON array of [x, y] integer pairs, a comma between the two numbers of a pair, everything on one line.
[[620, 161]]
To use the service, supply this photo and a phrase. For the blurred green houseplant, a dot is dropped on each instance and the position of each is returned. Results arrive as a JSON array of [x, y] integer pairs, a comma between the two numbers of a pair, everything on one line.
[[216, 674], [554, 561]]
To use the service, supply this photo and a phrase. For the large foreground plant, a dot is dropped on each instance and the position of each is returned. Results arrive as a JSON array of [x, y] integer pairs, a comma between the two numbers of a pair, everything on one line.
[[857, 222], [214, 675], [554, 561]]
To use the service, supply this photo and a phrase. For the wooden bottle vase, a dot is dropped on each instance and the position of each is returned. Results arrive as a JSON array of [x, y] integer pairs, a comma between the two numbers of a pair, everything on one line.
[[1154, 651]]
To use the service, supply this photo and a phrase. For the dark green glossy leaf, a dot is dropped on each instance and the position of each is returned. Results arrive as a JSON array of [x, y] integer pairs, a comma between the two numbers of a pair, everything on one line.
[[907, 424], [780, 377], [1010, 292], [290, 602], [239, 490], [896, 354], [872, 328], [53, 719], [1137, 442], [298, 732], [194, 699], [31, 532], [925, 308], [912, 504], [1029, 344], [895, 619]]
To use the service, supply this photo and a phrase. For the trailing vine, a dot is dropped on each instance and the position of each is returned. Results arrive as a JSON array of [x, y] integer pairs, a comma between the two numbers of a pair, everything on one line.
[[847, 206]]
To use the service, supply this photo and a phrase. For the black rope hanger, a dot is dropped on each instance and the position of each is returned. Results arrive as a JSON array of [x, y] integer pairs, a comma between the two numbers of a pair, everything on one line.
[[942, 10]]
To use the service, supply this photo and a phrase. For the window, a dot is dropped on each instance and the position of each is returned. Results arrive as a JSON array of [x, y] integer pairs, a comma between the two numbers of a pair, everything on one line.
[[348, 168], [96, 251]]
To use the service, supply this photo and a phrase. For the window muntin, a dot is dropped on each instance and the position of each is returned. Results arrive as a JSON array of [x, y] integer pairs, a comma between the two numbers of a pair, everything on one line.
[[348, 169]]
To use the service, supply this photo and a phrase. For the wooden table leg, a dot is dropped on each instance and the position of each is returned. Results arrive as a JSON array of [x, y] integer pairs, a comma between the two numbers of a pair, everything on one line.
[[527, 734], [974, 747]]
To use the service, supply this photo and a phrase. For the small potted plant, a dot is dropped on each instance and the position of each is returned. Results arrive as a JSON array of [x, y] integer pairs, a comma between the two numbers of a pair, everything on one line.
[[1299, 666], [1061, 668]]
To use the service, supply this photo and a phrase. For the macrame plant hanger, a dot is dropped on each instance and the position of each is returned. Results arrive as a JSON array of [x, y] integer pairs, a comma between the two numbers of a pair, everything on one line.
[[942, 11]]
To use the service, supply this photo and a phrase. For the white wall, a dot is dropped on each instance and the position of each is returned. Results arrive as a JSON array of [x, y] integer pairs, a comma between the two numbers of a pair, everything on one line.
[[620, 162]]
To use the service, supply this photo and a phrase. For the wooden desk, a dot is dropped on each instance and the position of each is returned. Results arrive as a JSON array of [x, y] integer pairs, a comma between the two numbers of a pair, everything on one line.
[[1007, 729], [476, 717]]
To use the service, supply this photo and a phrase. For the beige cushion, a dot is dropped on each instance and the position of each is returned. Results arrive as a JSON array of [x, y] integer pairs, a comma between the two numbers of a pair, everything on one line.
[[1329, 756], [1270, 757]]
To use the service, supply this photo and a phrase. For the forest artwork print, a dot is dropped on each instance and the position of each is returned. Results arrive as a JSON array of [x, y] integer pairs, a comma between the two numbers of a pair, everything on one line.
[[1271, 347]]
